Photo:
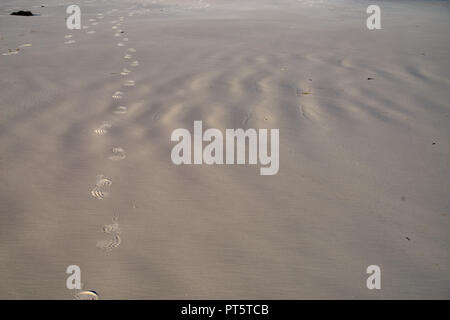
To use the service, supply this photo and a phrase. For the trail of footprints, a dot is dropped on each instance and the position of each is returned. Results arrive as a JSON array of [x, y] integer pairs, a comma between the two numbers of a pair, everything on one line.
[[100, 190], [102, 186]]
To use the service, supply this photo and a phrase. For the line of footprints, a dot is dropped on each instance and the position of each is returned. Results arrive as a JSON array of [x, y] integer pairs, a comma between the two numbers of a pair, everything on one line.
[[103, 184]]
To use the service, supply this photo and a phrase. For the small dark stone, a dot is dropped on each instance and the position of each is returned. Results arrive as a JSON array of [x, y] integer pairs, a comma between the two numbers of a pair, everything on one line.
[[22, 13], [369, 78], [434, 143], [407, 238], [403, 198]]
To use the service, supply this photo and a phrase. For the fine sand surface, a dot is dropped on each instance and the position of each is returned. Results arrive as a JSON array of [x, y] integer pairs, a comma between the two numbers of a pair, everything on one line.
[[86, 175]]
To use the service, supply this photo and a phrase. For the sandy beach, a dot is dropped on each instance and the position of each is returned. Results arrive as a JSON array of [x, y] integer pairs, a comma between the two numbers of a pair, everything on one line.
[[86, 176]]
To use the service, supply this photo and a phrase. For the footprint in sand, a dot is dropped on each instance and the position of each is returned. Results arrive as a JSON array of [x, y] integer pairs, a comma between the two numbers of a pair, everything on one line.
[[91, 20], [114, 230], [118, 154], [114, 27], [68, 36], [120, 44], [112, 227], [127, 56], [117, 35], [103, 181], [117, 95], [125, 72], [134, 64], [300, 92], [86, 27], [110, 244], [25, 45], [100, 190], [90, 32], [10, 52], [103, 129], [125, 39], [121, 110], [99, 194], [132, 50], [129, 83]]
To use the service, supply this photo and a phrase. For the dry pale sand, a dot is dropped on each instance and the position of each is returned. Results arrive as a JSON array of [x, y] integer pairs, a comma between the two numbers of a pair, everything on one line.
[[364, 164]]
